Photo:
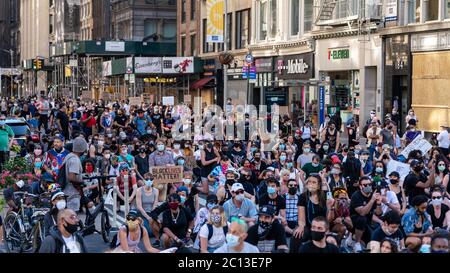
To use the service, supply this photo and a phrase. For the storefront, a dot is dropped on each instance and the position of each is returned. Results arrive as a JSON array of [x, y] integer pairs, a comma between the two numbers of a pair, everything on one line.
[[397, 79], [294, 72], [349, 72], [431, 79], [264, 80]]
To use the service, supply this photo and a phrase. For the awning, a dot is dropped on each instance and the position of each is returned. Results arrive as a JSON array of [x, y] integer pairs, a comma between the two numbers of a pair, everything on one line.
[[201, 83]]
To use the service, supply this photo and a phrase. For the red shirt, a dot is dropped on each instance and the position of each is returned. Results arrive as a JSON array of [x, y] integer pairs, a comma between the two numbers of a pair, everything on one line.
[[91, 122], [121, 184]]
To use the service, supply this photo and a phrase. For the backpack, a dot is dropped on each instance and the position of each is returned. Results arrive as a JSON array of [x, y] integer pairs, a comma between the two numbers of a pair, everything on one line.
[[210, 230], [62, 179], [115, 238]]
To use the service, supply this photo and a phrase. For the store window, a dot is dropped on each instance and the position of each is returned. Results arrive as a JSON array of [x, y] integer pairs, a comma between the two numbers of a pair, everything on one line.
[[295, 17], [193, 45], [150, 27], [183, 46], [169, 30], [229, 24]]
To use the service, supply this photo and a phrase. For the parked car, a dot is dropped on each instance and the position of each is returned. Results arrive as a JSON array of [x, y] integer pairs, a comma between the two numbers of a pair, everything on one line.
[[21, 130]]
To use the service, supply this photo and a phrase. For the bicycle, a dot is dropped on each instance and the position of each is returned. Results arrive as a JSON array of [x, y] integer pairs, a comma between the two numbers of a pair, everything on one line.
[[88, 227], [24, 229]]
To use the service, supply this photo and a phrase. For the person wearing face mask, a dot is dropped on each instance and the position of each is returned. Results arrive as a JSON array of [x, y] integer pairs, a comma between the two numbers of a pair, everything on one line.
[[177, 223], [58, 202], [318, 242], [90, 191], [147, 201], [120, 120], [416, 223], [106, 120], [324, 126], [439, 212], [363, 205], [335, 179], [132, 234], [390, 229], [332, 136], [268, 234], [126, 157], [395, 187], [440, 243], [313, 167], [63, 237], [306, 156], [416, 182], [141, 121], [203, 216], [235, 239], [411, 133], [340, 221], [291, 198], [142, 164], [54, 158], [8, 194], [212, 234], [176, 150], [240, 206], [104, 163], [275, 200]]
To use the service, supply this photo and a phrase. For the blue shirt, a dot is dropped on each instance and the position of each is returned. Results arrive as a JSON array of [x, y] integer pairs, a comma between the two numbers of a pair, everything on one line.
[[410, 218], [247, 209], [141, 124]]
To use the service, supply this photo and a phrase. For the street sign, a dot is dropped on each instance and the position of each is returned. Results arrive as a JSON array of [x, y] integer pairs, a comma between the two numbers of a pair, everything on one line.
[[132, 78], [249, 72], [249, 58]]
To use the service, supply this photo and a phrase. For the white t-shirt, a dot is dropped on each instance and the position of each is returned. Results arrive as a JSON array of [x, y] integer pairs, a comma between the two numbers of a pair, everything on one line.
[[443, 139], [391, 199], [72, 244], [218, 237], [198, 154]]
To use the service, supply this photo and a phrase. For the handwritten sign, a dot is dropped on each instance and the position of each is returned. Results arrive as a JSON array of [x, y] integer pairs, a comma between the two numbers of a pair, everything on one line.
[[419, 143], [135, 101], [164, 175], [397, 166], [168, 100]]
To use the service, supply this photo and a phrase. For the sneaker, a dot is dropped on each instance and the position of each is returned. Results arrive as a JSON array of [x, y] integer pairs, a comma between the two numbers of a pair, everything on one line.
[[357, 248]]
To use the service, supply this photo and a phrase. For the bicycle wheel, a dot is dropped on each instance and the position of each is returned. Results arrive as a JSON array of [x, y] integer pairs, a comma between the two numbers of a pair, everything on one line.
[[105, 227], [11, 232]]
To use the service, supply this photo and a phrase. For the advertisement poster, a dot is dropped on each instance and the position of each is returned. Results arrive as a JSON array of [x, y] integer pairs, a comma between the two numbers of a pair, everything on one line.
[[214, 21]]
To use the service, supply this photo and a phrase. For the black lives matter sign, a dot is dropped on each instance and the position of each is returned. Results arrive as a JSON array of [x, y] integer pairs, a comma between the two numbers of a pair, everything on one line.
[[164, 175]]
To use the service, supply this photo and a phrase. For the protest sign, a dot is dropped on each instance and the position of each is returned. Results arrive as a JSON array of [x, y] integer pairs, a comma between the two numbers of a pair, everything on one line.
[[402, 168], [168, 100], [135, 101], [164, 175], [419, 143]]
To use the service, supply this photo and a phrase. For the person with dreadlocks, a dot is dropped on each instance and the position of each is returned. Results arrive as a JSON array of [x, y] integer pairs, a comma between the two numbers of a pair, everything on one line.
[[340, 221]]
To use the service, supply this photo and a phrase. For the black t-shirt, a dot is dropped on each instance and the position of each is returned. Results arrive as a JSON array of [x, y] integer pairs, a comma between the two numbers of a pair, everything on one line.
[[378, 235], [63, 119], [121, 120], [411, 189], [276, 237], [236, 156], [310, 247], [438, 222], [178, 224], [142, 164], [248, 187], [24, 113], [156, 120], [311, 210], [359, 200], [278, 203]]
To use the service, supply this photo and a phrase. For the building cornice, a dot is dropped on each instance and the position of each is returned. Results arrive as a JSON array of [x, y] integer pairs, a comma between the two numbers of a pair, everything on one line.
[[328, 34], [413, 28]]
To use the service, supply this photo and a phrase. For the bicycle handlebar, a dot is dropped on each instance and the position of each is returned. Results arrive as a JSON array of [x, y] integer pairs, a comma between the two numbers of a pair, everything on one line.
[[24, 193]]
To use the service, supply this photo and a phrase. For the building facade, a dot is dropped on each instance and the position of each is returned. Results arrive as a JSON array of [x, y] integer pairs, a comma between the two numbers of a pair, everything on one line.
[[417, 50]]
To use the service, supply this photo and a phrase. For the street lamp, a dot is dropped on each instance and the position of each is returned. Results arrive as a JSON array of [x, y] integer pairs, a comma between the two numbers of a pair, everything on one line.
[[11, 52]]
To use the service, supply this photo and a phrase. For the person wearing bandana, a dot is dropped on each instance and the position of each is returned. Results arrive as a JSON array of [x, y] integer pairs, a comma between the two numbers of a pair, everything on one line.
[[268, 235]]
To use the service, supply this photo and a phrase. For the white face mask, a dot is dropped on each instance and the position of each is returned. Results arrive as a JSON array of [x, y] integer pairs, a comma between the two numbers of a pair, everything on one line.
[[20, 183], [187, 181], [436, 202], [240, 197], [176, 146], [61, 204]]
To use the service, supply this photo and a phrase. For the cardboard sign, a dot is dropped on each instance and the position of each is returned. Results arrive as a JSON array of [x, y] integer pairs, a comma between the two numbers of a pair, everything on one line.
[[135, 101], [168, 100], [284, 110], [419, 143], [187, 98], [402, 168], [164, 175]]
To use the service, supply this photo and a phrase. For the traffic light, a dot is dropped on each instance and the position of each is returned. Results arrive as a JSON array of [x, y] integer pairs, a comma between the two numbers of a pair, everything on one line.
[[37, 64]]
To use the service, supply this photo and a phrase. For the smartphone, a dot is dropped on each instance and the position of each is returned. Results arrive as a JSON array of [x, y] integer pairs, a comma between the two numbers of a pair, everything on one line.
[[329, 195]]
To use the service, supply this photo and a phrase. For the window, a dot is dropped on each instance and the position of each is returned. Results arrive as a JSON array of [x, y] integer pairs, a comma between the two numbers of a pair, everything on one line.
[[433, 10], [263, 20], [207, 47], [295, 17], [183, 46], [193, 45], [183, 11], [308, 15], [242, 28], [150, 27], [193, 9], [229, 24], [414, 11], [447, 9], [169, 30], [267, 19]]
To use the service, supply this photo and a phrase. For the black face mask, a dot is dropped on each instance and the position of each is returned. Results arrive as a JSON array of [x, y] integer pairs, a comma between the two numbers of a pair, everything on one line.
[[71, 228], [230, 182], [393, 181], [317, 235], [292, 191], [265, 225], [418, 169]]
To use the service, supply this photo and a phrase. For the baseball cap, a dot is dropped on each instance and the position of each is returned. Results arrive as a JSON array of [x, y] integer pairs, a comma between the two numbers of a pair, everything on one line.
[[236, 187], [57, 193], [394, 173], [267, 210], [414, 163], [335, 159]]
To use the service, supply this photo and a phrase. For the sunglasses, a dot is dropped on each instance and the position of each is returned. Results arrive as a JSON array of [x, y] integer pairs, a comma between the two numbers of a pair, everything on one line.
[[367, 185], [239, 191], [131, 218], [436, 197], [292, 186]]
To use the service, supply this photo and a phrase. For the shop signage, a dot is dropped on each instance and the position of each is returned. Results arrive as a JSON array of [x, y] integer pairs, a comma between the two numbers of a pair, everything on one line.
[[390, 10], [249, 72], [178, 65], [264, 64], [295, 67], [338, 54], [115, 46], [147, 65], [160, 80]]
